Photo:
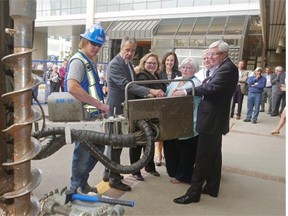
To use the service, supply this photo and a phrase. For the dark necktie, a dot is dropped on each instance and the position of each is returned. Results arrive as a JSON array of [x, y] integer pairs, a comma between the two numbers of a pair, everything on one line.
[[207, 73], [131, 71]]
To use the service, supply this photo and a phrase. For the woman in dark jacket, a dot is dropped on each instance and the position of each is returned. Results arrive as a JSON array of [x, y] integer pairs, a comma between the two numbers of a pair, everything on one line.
[[148, 71]]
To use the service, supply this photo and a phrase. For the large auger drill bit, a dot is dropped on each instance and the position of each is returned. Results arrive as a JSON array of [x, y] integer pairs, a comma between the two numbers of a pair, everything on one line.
[[20, 201]]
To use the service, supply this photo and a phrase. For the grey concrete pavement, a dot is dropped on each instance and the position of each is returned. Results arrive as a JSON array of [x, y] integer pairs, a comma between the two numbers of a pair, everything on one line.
[[253, 178]]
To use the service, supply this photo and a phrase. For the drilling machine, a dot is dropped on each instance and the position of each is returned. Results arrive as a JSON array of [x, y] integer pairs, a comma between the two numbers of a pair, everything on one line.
[[144, 121]]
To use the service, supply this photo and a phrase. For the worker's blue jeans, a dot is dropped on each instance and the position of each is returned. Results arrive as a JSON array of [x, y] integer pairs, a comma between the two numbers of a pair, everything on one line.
[[82, 165]]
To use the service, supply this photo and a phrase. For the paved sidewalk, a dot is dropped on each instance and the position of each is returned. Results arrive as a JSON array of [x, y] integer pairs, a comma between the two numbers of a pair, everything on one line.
[[253, 178]]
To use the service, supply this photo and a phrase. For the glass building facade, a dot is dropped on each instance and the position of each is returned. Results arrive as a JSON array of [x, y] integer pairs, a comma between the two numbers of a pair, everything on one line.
[[184, 26]]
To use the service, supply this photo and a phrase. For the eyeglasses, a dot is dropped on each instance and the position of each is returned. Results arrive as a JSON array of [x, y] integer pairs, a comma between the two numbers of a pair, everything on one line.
[[187, 68], [215, 53], [95, 44], [151, 63]]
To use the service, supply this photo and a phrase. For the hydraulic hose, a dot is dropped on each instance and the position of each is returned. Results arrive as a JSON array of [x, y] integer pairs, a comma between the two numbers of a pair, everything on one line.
[[89, 139]]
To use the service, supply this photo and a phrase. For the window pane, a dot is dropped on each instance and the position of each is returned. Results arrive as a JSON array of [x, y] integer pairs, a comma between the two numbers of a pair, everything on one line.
[[125, 7], [139, 6], [168, 27], [219, 2], [235, 25], [201, 26], [101, 9], [217, 25], [169, 4], [181, 42], [185, 3], [153, 5], [202, 2], [113, 8], [186, 26], [100, 2]]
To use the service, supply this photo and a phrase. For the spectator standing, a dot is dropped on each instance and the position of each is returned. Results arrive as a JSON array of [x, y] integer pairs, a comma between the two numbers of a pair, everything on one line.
[[180, 153], [208, 67], [46, 80], [40, 66], [212, 122], [278, 79], [240, 91], [54, 79], [82, 82], [120, 73], [267, 91], [256, 85], [148, 71], [62, 74]]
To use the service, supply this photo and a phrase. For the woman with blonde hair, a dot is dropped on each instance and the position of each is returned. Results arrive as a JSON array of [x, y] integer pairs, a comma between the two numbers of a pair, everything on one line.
[[148, 71]]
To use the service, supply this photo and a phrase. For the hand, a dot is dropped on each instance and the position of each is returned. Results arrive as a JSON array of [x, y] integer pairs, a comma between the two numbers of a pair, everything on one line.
[[283, 87], [178, 92], [157, 92], [104, 108]]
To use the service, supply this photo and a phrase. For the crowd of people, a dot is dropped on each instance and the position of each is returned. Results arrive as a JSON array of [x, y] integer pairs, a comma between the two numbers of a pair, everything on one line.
[[197, 159]]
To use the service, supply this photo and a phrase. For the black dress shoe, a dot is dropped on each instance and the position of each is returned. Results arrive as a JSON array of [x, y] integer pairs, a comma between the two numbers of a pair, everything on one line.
[[185, 199], [206, 191], [154, 173], [120, 186], [138, 177]]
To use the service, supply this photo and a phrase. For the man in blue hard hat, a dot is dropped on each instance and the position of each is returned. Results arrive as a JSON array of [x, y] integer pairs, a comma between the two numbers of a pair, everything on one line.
[[82, 82]]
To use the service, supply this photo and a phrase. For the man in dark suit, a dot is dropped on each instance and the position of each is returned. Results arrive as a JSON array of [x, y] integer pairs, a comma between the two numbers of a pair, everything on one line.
[[277, 80], [120, 73], [212, 121]]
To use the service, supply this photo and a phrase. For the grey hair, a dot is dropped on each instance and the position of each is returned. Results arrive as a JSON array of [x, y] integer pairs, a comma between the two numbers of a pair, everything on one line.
[[205, 52], [130, 40], [279, 68], [221, 45], [191, 61]]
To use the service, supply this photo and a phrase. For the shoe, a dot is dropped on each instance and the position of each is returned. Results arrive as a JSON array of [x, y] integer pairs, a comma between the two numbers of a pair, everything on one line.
[[275, 132], [268, 113], [138, 177], [206, 191], [262, 110], [238, 117], [87, 189], [120, 186], [158, 163], [106, 178], [247, 120], [254, 121], [154, 173], [273, 115], [185, 199]]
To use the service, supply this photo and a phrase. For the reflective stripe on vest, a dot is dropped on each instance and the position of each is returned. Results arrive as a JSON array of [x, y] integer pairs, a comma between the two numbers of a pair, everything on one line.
[[91, 80]]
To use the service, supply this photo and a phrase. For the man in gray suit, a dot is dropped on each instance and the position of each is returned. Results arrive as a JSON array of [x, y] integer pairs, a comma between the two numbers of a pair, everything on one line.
[[120, 73], [277, 94]]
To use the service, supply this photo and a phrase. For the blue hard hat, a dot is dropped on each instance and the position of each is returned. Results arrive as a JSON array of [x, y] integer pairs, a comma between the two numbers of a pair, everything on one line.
[[95, 33]]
